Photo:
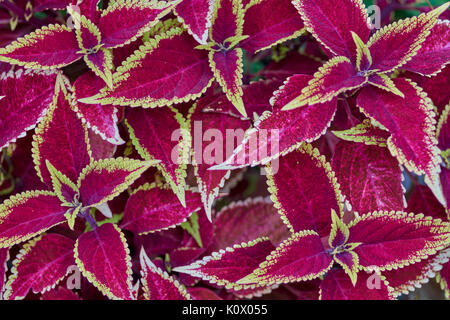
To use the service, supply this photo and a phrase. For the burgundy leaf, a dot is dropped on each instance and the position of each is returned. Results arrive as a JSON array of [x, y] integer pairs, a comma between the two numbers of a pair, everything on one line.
[[101, 119], [124, 21], [409, 278], [105, 179], [157, 284], [61, 139], [332, 24], [409, 120], [28, 214], [196, 16], [161, 134], [27, 97], [279, 132], [60, 293], [337, 286], [422, 200], [369, 176], [395, 44], [214, 136], [227, 21], [228, 70], [247, 220], [53, 46], [304, 190], [41, 264], [299, 258], [270, 22], [143, 215], [151, 78], [229, 265], [434, 53], [336, 76], [391, 240], [103, 257]]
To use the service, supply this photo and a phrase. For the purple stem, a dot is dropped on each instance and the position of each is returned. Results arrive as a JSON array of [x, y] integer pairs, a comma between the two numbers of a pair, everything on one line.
[[89, 218]]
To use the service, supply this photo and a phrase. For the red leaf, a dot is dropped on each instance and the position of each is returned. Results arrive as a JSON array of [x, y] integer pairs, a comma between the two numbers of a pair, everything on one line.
[[270, 22], [304, 190], [299, 258], [151, 209], [336, 76], [422, 200], [245, 221], [409, 278], [28, 214], [105, 179], [396, 239], [409, 120], [53, 46], [434, 53], [369, 177], [150, 78], [211, 144], [227, 266], [227, 20], [279, 132], [395, 44], [332, 24], [41, 264], [103, 257], [337, 286], [124, 21], [227, 66], [61, 139], [60, 293], [160, 134], [196, 16], [101, 119], [157, 284], [27, 97]]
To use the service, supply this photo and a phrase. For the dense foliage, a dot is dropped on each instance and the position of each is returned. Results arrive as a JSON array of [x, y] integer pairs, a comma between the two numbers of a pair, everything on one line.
[[224, 149]]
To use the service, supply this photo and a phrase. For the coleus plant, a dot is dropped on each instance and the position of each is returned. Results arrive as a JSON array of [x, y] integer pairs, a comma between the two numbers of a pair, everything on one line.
[[147, 203], [308, 198], [363, 67], [94, 33], [235, 26]]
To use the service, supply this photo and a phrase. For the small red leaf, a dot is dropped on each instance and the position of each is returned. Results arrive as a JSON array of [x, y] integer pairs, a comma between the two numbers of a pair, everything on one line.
[[157, 284]]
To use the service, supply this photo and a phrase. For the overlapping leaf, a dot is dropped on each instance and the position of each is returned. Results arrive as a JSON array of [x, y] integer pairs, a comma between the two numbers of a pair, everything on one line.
[[279, 132], [143, 215], [157, 284], [162, 134], [157, 75]]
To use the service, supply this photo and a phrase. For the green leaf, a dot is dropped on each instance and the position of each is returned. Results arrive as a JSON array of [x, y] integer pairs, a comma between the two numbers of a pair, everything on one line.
[[192, 227]]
